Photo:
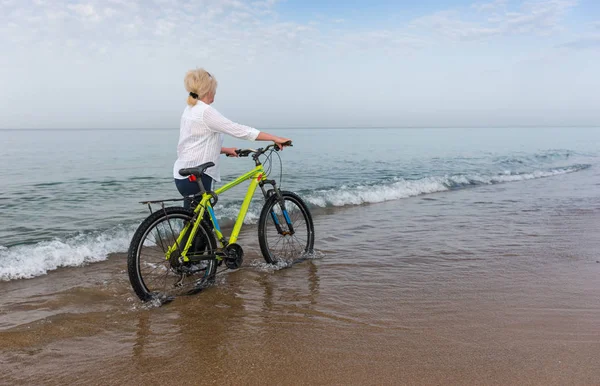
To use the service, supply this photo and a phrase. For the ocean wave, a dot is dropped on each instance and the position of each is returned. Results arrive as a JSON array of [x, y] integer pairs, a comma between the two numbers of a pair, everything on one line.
[[399, 188], [394, 189], [539, 158], [31, 260]]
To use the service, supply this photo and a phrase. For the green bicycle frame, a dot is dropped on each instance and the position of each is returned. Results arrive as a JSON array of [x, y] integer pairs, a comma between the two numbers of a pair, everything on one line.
[[256, 175]]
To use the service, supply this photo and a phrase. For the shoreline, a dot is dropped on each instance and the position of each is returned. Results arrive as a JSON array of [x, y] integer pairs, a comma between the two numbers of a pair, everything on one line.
[[439, 293]]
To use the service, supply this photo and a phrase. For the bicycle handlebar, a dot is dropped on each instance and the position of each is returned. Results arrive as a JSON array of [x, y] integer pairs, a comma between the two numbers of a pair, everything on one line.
[[259, 151]]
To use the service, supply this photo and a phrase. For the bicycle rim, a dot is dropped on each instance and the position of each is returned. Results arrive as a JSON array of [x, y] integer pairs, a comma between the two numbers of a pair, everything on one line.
[[280, 247], [164, 278]]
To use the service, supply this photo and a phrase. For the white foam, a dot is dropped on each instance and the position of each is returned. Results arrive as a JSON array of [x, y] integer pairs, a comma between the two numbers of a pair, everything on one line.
[[231, 211], [314, 255], [395, 189], [282, 264], [266, 267], [28, 261], [401, 188]]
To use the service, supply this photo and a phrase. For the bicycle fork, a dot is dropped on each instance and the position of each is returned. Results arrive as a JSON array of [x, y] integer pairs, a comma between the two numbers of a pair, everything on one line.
[[281, 203]]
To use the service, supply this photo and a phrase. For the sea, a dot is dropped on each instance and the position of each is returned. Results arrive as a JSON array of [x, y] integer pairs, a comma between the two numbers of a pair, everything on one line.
[[72, 197], [465, 256]]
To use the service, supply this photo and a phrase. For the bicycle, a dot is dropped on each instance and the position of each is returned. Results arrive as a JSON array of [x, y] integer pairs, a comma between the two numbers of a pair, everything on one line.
[[174, 251]]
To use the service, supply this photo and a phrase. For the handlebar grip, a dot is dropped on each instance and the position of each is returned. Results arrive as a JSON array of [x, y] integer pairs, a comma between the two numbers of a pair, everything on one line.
[[285, 144], [243, 152]]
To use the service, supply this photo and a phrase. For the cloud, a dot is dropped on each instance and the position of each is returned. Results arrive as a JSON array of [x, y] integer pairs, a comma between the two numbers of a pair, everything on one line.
[[538, 16], [85, 12], [489, 6], [104, 53], [217, 25], [265, 4], [531, 17], [234, 28], [583, 43], [450, 25]]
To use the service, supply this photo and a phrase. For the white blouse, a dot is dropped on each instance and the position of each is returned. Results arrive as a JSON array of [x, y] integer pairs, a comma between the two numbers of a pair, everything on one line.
[[201, 138]]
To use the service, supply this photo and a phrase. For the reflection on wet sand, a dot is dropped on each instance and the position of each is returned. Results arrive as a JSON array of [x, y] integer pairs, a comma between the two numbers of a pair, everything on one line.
[[209, 331]]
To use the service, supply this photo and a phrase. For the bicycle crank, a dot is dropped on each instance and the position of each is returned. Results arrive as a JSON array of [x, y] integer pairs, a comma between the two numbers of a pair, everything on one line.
[[235, 256]]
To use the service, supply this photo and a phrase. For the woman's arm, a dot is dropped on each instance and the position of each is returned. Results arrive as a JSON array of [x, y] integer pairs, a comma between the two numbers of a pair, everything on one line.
[[217, 122], [262, 136]]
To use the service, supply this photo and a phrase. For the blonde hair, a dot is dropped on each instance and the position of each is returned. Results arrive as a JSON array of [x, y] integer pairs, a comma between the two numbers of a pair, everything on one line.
[[200, 82]]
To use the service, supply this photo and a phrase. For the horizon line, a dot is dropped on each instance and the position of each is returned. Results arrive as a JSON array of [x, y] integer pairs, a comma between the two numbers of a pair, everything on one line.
[[317, 127]]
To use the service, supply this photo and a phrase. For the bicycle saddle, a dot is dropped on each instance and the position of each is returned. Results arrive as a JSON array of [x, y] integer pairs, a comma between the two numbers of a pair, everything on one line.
[[196, 171]]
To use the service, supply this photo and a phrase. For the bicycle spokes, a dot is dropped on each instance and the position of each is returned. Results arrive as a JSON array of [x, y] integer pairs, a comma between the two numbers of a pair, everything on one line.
[[285, 231], [155, 261]]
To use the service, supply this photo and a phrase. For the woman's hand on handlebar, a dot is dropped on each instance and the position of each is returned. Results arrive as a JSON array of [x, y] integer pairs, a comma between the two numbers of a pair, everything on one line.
[[229, 151], [282, 142]]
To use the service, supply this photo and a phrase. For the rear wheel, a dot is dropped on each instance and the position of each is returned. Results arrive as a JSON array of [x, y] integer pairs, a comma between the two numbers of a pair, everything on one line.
[[151, 274], [278, 242]]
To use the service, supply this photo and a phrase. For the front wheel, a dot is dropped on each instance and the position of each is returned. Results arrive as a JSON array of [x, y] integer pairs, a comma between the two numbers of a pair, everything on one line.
[[285, 229]]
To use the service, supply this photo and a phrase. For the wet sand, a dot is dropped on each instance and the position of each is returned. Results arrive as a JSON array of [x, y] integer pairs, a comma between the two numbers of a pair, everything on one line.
[[492, 285]]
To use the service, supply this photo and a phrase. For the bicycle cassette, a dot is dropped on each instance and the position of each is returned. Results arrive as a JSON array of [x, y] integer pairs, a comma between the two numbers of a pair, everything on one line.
[[235, 256]]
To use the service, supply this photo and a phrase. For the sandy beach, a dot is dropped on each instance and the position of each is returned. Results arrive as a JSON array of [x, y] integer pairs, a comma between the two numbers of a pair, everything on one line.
[[448, 153], [416, 292]]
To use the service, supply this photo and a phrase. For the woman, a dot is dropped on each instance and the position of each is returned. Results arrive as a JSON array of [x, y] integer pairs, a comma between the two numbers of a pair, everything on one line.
[[201, 133]]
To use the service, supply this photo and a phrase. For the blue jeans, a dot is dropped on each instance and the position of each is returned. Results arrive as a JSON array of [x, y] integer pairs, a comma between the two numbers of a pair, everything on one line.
[[187, 188]]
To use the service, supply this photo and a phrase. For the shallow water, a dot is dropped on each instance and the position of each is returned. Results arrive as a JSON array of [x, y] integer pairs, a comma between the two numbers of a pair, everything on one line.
[[70, 197], [491, 284]]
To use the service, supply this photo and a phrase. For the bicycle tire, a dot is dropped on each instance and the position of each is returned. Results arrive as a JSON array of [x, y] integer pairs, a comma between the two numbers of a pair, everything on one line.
[[204, 242], [276, 247]]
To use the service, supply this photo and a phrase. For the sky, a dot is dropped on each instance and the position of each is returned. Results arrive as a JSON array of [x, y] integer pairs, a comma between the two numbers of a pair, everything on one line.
[[287, 63]]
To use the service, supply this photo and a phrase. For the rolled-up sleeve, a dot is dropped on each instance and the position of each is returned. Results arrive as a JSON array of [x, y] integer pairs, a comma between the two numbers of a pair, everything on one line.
[[217, 122]]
